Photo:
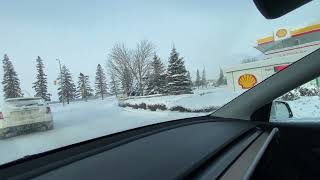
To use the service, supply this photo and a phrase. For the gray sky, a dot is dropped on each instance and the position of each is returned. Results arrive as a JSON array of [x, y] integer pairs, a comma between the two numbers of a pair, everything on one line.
[[206, 33]]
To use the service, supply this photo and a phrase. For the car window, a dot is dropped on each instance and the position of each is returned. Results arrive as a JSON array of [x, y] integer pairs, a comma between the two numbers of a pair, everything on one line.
[[103, 67], [302, 102]]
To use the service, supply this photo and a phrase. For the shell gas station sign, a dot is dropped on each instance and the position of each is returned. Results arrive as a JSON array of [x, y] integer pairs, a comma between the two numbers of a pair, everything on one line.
[[280, 49], [247, 81], [281, 34]]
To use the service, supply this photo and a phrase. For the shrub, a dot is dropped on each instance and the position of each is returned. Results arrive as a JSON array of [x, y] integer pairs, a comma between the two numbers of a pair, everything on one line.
[[134, 106], [154, 107], [142, 106], [163, 107], [291, 95], [309, 91], [180, 109]]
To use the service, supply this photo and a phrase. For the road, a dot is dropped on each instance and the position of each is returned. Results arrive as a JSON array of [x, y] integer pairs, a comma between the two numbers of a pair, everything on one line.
[[82, 121]]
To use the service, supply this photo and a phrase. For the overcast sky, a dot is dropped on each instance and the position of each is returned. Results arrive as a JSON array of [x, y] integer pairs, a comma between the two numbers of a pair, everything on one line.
[[207, 33]]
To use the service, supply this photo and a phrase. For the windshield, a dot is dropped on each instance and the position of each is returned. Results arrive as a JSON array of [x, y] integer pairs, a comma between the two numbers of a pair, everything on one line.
[[105, 67]]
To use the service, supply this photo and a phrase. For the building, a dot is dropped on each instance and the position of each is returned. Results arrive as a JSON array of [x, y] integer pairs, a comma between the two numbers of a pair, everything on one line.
[[279, 50]]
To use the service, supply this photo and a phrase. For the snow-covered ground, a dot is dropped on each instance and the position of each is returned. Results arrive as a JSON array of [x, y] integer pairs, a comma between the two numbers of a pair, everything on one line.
[[202, 98], [82, 121], [306, 108]]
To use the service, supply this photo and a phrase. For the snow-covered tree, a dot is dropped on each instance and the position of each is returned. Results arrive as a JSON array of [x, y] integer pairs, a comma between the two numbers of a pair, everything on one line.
[[221, 80], [67, 90], [156, 77], [190, 80], [10, 82], [198, 79], [178, 82], [203, 78], [41, 85], [101, 82], [114, 85], [84, 87]]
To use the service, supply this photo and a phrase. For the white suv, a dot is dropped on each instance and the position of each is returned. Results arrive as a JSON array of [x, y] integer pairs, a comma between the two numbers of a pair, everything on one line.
[[24, 115]]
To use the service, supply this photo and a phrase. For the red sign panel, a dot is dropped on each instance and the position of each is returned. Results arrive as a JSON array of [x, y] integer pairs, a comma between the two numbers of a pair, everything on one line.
[[280, 68]]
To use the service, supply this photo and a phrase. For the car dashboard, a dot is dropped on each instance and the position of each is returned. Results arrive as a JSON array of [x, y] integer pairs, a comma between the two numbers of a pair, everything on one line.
[[208, 148]]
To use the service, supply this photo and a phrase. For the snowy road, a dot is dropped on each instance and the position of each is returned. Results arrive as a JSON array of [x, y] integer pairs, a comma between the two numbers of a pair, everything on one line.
[[82, 121]]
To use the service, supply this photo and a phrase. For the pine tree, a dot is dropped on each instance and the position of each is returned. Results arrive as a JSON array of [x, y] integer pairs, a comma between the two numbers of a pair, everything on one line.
[[84, 88], [40, 85], [114, 85], [100, 83], [222, 79], [203, 78], [189, 79], [156, 78], [67, 90], [177, 79], [198, 79], [11, 83]]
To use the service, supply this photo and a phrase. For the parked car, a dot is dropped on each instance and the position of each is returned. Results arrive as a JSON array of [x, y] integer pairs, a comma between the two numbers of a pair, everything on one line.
[[24, 115]]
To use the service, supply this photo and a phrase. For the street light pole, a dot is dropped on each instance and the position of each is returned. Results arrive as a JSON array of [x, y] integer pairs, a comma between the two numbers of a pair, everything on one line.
[[61, 86]]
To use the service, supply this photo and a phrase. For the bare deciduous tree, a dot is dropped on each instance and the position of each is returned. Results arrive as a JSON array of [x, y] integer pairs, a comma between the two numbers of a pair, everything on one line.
[[142, 57], [131, 66], [120, 63]]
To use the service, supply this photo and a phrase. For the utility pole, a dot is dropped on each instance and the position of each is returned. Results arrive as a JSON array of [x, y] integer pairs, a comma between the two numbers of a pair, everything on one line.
[[61, 86]]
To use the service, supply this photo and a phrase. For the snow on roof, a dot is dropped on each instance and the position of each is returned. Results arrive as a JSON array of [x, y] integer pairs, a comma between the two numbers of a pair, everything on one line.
[[23, 99], [263, 63], [270, 60]]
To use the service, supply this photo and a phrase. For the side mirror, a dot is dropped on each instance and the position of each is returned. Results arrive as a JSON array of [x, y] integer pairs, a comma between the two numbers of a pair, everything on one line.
[[280, 110]]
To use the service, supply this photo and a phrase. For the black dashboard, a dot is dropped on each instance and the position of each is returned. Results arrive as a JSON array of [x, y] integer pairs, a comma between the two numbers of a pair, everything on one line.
[[201, 149]]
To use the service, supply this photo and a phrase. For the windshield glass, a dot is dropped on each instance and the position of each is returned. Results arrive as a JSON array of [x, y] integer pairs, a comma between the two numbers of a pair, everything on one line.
[[109, 66]]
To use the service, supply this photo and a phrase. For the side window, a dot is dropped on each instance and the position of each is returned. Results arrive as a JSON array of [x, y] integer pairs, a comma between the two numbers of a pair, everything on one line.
[[299, 104]]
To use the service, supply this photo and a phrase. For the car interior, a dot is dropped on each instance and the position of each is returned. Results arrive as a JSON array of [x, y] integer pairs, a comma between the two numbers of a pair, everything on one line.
[[235, 142]]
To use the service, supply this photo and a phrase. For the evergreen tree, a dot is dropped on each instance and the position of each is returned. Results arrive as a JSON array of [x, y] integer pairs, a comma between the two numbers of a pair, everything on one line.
[[114, 85], [100, 83], [204, 79], [67, 90], [40, 85], [198, 79], [156, 78], [11, 83], [221, 80], [178, 82], [84, 88], [190, 80]]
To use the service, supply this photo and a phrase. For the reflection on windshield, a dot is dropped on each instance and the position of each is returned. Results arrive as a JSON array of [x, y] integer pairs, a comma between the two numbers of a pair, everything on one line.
[[107, 67]]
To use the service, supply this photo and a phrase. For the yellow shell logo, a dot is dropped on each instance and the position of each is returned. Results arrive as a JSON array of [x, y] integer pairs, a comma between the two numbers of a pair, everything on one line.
[[281, 33], [247, 81]]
